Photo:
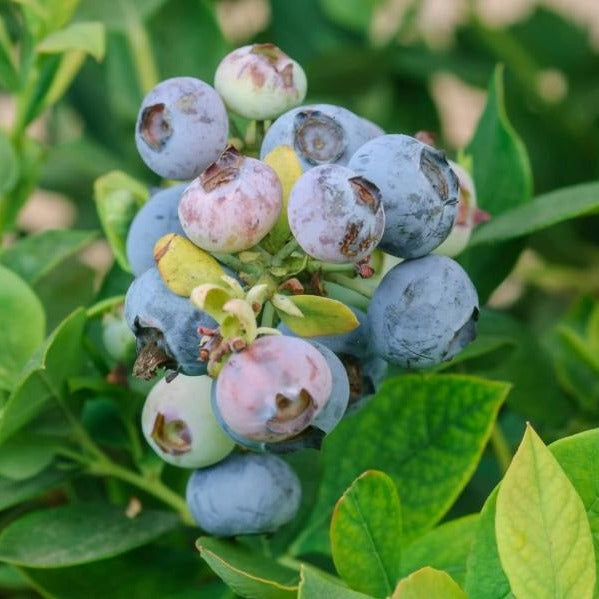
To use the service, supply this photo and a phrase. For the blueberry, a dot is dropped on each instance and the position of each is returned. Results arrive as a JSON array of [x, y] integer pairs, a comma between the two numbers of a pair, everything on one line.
[[419, 192], [232, 205], [244, 494], [335, 215], [157, 217], [469, 215], [260, 81], [365, 371], [423, 312], [274, 389], [178, 423], [320, 134], [166, 326], [182, 127]]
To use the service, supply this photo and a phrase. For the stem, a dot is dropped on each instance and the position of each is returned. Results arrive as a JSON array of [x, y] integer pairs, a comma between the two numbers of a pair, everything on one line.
[[141, 52], [314, 265], [155, 487], [104, 306], [347, 296], [268, 315], [355, 284], [285, 252], [236, 264], [501, 448]]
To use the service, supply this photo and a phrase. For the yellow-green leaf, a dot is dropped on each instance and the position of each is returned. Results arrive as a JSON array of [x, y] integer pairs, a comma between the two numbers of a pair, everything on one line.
[[321, 316], [428, 583], [285, 163], [316, 585], [366, 534], [211, 298], [183, 265], [86, 36], [543, 534]]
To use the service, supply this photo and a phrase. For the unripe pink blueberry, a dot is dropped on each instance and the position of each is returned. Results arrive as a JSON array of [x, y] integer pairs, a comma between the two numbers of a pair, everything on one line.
[[260, 81], [274, 389], [182, 127], [335, 215], [232, 205], [178, 423]]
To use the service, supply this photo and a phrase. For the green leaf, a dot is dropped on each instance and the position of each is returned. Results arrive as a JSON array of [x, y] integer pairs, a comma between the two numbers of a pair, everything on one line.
[[353, 14], [366, 534], [426, 432], [117, 15], [36, 255], [79, 533], [445, 548], [247, 573], [157, 571], [316, 586], [427, 583], [13, 492], [118, 198], [9, 165], [88, 37], [25, 456], [496, 150], [45, 375], [23, 324], [485, 578], [321, 316], [578, 455], [9, 78], [543, 534], [544, 211]]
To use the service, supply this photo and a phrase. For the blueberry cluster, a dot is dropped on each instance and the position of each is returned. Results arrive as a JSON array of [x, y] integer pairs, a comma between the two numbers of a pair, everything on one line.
[[250, 273]]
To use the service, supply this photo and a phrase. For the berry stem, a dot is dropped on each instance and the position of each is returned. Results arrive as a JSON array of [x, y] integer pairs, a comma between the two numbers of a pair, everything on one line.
[[236, 264], [314, 265], [356, 284], [345, 295], [268, 315], [285, 252]]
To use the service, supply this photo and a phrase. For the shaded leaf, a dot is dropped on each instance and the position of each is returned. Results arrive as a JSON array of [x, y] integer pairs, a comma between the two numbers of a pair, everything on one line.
[[13, 492], [445, 548], [366, 534], [23, 325], [36, 255], [9, 165], [79, 533], [246, 572]]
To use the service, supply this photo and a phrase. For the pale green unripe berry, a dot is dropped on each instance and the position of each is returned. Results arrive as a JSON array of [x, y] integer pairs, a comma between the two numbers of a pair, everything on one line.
[[260, 81], [178, 423], [118, 339]]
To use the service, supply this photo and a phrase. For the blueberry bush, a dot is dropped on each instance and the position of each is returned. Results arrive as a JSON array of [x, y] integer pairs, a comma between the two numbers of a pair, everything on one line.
[[334, 350]]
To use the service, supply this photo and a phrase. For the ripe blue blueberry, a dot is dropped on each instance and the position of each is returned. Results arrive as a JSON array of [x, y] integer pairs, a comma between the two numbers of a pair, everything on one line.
[[423, 312], [182, 127], [335, 215], [419, 192], [320, 134], [178, 423], [157, 217], [166, 326], [244, 494]]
